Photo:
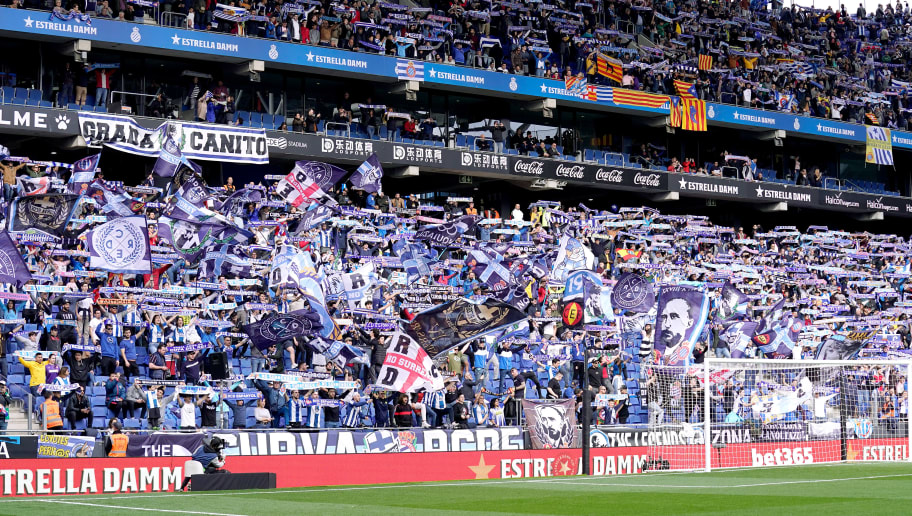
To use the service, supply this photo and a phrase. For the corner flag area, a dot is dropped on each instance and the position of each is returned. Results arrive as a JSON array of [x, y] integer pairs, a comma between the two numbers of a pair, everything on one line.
[[826, 489]]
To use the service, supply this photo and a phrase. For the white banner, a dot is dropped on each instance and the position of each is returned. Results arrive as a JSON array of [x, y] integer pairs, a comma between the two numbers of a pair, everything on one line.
[[196, 140]]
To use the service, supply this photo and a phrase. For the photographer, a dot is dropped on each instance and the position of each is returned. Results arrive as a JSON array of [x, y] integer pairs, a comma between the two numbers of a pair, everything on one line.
[[209, 455]]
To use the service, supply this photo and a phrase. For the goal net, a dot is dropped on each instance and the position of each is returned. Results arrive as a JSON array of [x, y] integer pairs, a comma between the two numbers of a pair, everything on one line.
[[750, 413]]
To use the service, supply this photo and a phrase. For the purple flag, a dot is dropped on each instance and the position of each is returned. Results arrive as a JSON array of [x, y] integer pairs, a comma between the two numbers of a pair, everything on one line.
[[738, 335], [632, 292], [169, 159], [447, 233], [368, 175], [12, 266], [323, 174], [83, 173], [276, 328], [680, 319]]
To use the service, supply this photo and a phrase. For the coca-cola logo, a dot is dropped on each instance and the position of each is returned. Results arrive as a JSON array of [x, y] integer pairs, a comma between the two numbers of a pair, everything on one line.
[[646, 180], [575, 171], [609, 176], [532, 168]]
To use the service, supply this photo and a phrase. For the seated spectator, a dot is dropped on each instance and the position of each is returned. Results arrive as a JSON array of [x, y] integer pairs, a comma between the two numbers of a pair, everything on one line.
[[483, 144]]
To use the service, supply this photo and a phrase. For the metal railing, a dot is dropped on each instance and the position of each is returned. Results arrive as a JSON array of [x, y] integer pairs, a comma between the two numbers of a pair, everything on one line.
[[341, 125], [174, 19]]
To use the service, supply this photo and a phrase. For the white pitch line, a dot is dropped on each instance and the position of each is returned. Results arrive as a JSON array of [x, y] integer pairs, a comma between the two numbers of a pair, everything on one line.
[[104, 506], [727, 486], [127, 496]]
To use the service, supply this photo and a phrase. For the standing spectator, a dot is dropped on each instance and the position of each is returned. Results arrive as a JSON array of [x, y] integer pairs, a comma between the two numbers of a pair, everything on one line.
[[82, 84], [5, 402], [68, 76], [103, 78], [498, 130], [115, 395]]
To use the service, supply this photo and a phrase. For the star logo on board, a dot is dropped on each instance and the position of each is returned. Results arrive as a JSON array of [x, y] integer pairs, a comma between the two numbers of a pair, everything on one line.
[[482, 470], [175, 40], [433, 73], [544, 88], [759, 191], [29, 21], [310, 56], [683, 184], [851, 453], [819, 127], [735, 115]]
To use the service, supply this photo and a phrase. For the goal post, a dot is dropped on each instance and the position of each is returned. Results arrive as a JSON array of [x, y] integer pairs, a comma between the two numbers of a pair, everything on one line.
[[734, 413]]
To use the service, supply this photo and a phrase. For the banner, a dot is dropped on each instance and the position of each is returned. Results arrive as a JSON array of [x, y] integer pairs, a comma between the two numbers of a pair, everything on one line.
[[276, 328], [296, 188], [732, 303], [323, 175], [446, 234], [680, 318], [368, 175], [62, 446], [12, 267], [121, 245], [450, 324], [194, 140], [49, 213], [633, 293], [785, 431], [878, 146], [164, 444], [18, 447], [551, 423], [843, 347], [407, 367]]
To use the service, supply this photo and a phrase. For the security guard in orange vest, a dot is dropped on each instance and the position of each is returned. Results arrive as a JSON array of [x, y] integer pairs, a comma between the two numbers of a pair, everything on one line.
[[116, 443], [50, 411]]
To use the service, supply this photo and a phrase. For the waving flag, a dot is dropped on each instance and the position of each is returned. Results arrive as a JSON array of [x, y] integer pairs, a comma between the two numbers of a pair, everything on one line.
[[170, 160], [323, 174], [83, 173], [681, 315], [731, 304], [367, 177], [633, 292], [112, 199], [447, 233], [687, 90], [297, 188], [625, 97], [784, 101], [705, 62], [599, 93], [32, 186], [598, 63], [12, 267], [407, 367], [738, 335], [338, 352], [415, 259], [48, 213], [879, 146], [121, 245], [276, 328], [448, 325], [224, 259], [358, 283], [572, 255]]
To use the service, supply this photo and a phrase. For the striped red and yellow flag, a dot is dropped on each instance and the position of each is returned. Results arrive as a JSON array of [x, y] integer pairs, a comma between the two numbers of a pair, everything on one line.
[[693, 113], [674, 112], [610, 68], [705, 62], [625, 97], [685, 89]]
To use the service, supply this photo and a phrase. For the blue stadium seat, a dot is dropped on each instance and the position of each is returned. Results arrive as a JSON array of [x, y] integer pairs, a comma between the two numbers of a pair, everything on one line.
[[242, 115], [256, 120], [17, 101], [320, 126], [8, 93], [460, 140], [101, 109], [99, 422], [21, 93], [132, 423], [278, 120], [73, 106], [34, 94]]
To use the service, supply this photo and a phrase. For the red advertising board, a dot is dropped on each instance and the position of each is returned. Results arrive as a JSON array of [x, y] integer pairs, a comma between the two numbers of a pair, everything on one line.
[[109, 476]]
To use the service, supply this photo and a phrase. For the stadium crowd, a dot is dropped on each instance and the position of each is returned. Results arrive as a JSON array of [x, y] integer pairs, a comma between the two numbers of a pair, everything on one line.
[[824, 63], [90, 341]]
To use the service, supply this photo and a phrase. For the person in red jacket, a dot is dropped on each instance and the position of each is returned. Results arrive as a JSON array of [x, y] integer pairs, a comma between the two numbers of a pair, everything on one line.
[[103, 78]]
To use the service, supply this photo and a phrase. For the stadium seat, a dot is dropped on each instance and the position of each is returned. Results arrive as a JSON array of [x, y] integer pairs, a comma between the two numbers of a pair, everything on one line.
[[461, 140], [8, 93], [34, 94], [242, 115], [278, 120], [256, 119]]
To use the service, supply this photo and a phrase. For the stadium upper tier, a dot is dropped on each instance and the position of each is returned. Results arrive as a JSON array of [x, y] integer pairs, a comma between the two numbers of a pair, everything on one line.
[[745, 80]]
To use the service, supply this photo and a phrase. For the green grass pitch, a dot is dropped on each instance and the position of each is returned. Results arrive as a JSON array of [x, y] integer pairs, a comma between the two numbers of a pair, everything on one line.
[[852, 489]]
